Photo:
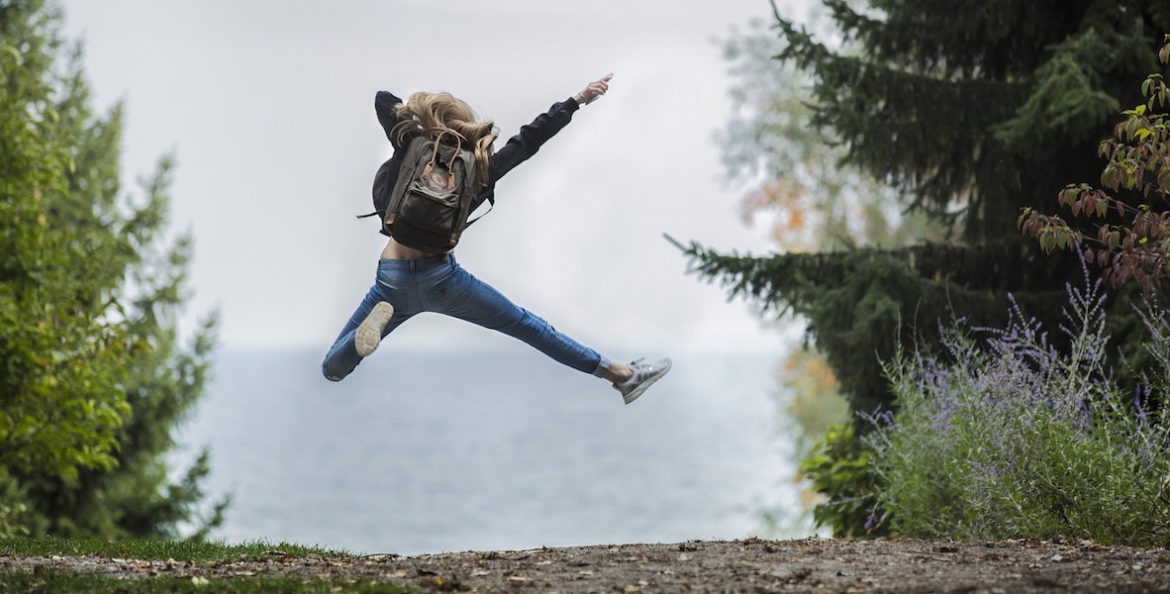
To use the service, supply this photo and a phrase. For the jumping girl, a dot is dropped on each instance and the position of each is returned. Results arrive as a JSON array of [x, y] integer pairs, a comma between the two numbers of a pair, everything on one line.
[[410, 281]]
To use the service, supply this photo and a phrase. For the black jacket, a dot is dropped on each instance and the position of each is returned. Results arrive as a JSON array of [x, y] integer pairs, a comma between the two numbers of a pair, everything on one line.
[[518, 149]]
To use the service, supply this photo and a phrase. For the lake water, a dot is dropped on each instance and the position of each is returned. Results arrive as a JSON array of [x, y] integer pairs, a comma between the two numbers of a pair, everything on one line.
[[430, 452]]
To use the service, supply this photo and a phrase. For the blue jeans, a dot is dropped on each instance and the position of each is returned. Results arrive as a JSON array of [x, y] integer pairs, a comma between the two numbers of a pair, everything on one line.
[[440, 284]]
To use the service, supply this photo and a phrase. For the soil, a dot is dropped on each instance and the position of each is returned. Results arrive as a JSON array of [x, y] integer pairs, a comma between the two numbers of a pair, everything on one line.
[[808, 565]]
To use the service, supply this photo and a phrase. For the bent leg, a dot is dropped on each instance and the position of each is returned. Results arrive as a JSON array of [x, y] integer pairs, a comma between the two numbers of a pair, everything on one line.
[[343, 356], [481, 304]]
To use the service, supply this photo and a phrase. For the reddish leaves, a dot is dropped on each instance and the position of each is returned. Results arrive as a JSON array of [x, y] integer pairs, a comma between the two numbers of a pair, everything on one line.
[[1138, 248]]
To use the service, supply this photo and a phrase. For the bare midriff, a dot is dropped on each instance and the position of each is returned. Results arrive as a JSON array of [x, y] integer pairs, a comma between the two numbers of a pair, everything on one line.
[[397, 251]]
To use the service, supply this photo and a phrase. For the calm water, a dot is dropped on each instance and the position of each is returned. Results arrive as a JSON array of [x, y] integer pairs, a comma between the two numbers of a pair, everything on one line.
[[429, 452]]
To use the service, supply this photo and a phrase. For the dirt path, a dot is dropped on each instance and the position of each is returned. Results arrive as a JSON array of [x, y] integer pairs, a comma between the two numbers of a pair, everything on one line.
[[810, 565]]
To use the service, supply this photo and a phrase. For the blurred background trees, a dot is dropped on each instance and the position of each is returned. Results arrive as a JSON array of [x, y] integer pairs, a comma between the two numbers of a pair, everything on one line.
[[93, 377], [955, 115], [795, 180]]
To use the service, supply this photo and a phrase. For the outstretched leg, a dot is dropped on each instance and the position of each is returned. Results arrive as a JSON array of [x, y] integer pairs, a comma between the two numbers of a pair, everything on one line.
[[481, 304]]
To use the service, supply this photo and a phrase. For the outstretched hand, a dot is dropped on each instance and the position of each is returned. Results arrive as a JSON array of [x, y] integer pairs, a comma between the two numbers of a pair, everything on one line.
[[593, 90]]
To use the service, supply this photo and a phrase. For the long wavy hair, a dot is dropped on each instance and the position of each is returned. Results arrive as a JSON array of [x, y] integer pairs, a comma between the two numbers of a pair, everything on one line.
[[432, 113]]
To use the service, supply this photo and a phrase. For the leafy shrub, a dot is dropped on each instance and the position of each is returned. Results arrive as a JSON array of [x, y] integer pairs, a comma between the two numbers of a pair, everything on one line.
[[1009, 437], [1133, 240], [841, 469]]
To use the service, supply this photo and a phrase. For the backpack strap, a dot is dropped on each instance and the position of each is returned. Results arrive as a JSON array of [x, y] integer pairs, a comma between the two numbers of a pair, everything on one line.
[[491, 204]]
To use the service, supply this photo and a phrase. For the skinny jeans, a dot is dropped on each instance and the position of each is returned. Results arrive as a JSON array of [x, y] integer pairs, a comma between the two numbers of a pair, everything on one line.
[[439, 284]]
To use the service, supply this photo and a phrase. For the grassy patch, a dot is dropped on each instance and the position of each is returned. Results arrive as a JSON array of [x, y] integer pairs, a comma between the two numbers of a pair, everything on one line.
[[45, 580], [152, 549]]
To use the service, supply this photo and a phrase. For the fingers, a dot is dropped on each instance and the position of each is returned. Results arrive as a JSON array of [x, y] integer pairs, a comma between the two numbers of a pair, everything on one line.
[[596, 88]]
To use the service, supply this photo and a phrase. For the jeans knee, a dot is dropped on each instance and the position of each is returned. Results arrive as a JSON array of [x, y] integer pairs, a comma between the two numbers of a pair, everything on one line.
[[328, 373]]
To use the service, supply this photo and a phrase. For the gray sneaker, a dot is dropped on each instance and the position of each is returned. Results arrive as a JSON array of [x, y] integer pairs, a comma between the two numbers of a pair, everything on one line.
[[369, 333], [644, 375]]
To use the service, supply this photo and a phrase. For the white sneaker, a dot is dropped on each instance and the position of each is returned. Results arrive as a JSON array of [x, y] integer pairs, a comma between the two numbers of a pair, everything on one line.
[[369, 333], [644, 375]]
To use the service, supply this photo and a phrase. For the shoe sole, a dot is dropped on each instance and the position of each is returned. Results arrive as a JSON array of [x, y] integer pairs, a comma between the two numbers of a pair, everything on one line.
[[369, 333], [632, 396]]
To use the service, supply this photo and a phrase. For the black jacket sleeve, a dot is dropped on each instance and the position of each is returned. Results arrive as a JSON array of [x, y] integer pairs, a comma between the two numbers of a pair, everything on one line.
[[525, 144], [384, 105]]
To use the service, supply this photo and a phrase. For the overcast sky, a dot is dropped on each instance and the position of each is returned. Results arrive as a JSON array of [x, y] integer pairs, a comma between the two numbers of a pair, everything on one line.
[[268, 107]]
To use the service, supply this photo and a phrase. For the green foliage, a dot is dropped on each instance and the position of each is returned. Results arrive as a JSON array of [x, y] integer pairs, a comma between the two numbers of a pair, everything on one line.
[[1134, 243], [1013, 439], [970, 111], [851, 299], [943, 110], [91, 376], [58, 416], [841, 469]]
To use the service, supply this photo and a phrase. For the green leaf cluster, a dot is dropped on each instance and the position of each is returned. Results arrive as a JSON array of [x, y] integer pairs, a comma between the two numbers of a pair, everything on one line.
[[1130, 238], [92, 378], [842, 470]]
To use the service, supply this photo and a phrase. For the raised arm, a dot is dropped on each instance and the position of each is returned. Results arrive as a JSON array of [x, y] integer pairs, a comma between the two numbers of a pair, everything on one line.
[[525, 144], [384, 105], [531, 136]]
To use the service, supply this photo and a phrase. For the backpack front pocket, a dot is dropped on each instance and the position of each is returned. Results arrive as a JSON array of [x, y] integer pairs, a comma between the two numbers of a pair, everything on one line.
[[430, 209]]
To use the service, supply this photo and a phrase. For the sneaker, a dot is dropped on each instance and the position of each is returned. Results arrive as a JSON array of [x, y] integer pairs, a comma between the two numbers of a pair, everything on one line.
[[369, 333], [644, 375]]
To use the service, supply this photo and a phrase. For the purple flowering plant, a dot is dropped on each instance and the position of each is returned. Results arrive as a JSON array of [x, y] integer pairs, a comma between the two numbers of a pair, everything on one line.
[[1013, 438]]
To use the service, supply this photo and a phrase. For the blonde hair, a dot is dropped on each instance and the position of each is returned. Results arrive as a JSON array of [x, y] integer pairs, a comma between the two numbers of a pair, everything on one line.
[[432, 113]]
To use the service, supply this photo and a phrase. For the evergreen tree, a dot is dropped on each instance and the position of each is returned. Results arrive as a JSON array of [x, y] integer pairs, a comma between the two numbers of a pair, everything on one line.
[[92, 374], [971, 110]]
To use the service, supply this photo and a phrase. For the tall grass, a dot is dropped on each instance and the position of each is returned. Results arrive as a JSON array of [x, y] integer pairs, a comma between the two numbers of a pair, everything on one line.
[[1011, 438]]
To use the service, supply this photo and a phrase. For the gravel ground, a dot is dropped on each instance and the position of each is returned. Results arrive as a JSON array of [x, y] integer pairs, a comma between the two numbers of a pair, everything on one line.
[[809, 565]]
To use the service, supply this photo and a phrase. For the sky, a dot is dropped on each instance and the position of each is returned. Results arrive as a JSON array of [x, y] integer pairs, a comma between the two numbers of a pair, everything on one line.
[[267, 106]]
